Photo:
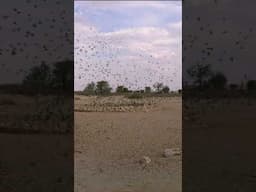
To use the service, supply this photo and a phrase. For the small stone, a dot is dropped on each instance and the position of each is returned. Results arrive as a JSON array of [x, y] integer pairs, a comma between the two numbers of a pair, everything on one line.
[[145, 160], [171, 152]]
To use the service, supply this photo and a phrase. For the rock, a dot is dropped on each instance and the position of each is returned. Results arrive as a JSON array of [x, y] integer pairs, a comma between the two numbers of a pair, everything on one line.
[[171, 152], [145, 160]]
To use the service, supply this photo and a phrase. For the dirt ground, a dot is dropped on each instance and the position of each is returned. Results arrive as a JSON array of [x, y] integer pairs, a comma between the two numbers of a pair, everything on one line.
[[219, 140], [36, 162], [110, 143], [35, 154]]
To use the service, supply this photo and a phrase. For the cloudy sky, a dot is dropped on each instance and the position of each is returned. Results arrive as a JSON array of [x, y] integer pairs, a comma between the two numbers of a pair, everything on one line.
[[128, 43], [225, 27], [37, 34]]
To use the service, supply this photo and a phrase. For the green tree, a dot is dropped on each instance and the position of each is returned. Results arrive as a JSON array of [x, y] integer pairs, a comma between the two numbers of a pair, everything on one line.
[[43, 79], [103, 87], [121, 89], [63, 75], [90, 88], [126, 90], [147, 89], [165, 89], [199, 74], [39, 78], [218, 81], [158, 87]]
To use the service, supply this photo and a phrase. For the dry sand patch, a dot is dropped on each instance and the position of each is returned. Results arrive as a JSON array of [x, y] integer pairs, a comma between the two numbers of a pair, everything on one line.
[[110, 144]]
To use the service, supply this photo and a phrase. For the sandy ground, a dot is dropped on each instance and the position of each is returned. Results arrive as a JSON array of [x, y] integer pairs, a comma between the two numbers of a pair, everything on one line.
[[34, 162], [219, 144], [109, 145], [34, 155]]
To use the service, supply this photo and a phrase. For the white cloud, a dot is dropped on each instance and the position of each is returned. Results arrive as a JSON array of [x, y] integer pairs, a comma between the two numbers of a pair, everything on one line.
[[114, 5], [135, 57]]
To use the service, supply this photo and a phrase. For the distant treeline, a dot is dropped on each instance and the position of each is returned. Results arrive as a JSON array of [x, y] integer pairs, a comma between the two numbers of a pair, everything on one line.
[[103, 88], [44, 79], [59, 79], [206, 82]]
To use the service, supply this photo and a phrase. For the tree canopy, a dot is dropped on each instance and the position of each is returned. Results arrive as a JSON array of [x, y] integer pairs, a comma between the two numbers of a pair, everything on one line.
[[43, 78], [103, 87]]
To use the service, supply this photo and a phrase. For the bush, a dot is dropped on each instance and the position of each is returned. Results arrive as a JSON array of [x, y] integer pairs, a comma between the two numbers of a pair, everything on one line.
[[165, 89], [218, 81], [90, 89], [122, 89], [147, 89], [135, 96]]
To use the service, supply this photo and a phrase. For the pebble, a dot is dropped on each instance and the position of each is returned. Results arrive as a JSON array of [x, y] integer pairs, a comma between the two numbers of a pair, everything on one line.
[[145, 160], [171, 152]]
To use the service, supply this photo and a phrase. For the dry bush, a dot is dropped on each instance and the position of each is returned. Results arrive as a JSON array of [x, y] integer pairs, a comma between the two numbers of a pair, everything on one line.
[[135, 96]]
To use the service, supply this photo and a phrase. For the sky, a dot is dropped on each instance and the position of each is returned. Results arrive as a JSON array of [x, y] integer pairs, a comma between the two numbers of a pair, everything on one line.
[[42, 32], [130, 43], [232, 38]]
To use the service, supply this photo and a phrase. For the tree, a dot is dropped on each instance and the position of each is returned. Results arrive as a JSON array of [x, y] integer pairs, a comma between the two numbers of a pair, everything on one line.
[[251, 85], [165, 89], [63, 75], [158, 87], [218, 81], [199, 73], [126, 90], [42, 79], [103, 87], [39, 78], [147, 89], [121, 89], [90, 88]]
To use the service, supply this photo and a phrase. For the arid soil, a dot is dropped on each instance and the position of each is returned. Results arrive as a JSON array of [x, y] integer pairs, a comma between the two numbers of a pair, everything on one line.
[[36, 162], [38, 113], [35, 154], [219, 140], [112, 134]]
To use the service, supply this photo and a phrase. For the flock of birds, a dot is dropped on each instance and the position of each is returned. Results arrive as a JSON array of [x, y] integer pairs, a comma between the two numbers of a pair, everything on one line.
[[34, 35], [50, 38], [190, 41], [100, 57], [216, 39]]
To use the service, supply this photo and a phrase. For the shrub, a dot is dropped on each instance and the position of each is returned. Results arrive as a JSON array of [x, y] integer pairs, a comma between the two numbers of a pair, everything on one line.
[[165, 89], [90, 88], [147, 89], [121, 89], [135, 96]]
